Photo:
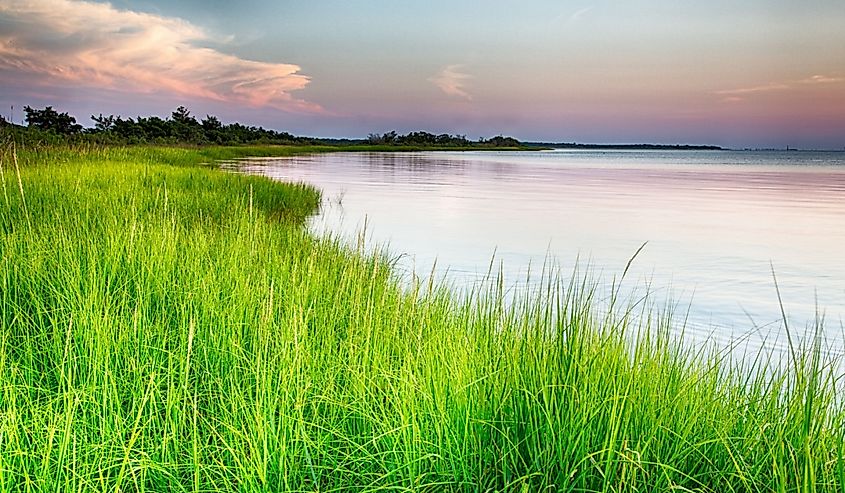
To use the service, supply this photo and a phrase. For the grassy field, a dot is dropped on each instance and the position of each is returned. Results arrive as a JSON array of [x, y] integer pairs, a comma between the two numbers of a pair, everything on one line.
[[166, 326]]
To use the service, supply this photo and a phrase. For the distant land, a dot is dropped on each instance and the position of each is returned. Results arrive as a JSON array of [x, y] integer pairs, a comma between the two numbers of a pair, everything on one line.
[[617, 147], [184, 128], [559, 145]]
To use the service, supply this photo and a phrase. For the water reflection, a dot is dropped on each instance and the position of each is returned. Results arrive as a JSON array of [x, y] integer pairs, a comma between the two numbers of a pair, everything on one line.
[[715, 222]]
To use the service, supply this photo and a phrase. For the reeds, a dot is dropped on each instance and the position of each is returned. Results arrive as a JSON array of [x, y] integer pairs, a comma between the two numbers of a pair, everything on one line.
[[174, 328]]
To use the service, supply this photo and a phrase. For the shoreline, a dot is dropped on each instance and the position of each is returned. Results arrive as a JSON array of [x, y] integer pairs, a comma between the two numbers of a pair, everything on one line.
[[166, 325]]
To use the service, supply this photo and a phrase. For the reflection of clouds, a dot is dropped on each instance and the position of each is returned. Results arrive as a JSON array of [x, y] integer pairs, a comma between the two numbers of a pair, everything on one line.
[[97, 45], [715, 223]]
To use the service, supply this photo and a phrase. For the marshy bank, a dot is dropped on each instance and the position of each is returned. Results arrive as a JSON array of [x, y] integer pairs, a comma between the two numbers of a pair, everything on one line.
[[167, 326], [716, 225]]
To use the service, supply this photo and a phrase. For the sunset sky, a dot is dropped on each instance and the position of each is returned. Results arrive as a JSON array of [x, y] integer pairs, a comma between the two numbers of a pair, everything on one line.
[[738, 74]]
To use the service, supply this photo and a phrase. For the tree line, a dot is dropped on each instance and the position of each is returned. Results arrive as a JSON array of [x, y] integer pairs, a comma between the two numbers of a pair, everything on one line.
[[180, 128], [429, 139], [50, 125]]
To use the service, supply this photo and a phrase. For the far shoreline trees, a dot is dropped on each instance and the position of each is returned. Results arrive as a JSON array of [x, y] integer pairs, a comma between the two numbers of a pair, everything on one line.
[[429, 139], [51, 120], [182, 128]]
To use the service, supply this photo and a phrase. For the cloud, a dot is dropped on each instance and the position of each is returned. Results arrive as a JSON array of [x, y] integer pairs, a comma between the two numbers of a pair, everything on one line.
[[95, 45], [578, 14], [821, 79], [452, 81], [754, 89], [569, 18], [734, 94]]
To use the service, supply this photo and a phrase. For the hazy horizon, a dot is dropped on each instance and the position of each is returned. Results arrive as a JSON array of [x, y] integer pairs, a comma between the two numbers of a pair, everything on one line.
[[756, 75]]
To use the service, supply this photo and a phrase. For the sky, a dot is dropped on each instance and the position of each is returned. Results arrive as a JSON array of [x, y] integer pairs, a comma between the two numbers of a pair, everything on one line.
[[738, 74]]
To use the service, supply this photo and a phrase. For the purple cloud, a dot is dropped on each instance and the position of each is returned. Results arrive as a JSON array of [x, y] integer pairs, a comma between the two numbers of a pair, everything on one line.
[[95, 45]]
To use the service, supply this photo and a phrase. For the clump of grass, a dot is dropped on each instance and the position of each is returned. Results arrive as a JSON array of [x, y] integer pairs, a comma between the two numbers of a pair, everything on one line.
[[174, 328]]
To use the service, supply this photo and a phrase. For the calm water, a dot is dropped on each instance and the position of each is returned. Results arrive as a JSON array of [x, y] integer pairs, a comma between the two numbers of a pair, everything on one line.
[[715, 223]]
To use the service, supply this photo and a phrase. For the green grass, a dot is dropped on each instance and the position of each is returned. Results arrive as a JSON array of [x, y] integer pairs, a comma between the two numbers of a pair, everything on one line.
[[165, 326]]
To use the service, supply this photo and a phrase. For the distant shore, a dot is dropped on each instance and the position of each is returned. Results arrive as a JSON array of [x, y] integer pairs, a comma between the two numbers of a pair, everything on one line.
[[623, 147]]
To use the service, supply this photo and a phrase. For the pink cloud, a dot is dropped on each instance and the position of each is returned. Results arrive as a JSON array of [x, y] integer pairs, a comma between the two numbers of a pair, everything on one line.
[[822, 79], [780, 86], [452, 81], [755, 89], [96, 45]]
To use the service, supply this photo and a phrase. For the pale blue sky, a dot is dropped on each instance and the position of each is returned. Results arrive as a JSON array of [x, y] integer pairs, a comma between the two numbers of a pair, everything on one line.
[[751, 74]]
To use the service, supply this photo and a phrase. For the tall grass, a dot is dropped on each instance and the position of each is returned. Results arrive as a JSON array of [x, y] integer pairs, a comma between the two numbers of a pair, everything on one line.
[[174, 328]]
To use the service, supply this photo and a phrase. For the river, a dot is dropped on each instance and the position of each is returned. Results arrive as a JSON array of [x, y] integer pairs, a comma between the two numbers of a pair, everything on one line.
[[715, 225]]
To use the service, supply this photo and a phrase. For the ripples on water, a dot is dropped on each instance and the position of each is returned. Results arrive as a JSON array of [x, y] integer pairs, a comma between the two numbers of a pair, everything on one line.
[[715, 223]]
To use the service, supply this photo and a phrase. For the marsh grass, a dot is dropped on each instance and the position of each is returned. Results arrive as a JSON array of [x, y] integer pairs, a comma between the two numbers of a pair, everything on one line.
[[165, 326]]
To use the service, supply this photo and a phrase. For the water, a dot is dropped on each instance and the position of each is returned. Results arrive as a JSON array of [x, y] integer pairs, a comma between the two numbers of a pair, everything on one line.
[[715, 223]]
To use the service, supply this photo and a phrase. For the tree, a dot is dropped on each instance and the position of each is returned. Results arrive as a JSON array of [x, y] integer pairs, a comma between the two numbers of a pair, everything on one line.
[[51, 120], [128, 129], [211, 123], [389, 137], [103, 123], [500, 141], [185, 127], [212, 129], [154, 128], [183, 116]]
